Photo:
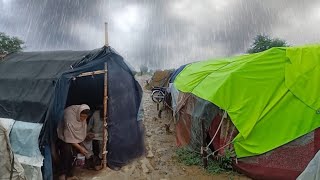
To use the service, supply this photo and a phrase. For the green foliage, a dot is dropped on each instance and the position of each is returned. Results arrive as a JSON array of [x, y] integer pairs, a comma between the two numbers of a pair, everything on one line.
[[9, 44], [225, 161], [264, 42], [190, 158], [143, 69]]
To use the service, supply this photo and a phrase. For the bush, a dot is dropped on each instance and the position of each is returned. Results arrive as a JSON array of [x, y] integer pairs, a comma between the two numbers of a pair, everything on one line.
[[191, 158], [9, 44], [143, 69]]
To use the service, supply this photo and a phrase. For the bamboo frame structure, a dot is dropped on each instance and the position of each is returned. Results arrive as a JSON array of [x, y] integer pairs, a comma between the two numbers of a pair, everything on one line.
[[105, 123], [105, 108], [105, 101]]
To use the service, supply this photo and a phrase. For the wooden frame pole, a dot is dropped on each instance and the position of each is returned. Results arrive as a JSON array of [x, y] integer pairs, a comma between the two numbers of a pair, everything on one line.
[[106, 34], [105, 104], [204, 146], [91, 73], [105, 123]]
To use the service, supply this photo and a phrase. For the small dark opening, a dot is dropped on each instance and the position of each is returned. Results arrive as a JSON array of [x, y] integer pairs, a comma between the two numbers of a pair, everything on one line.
[[86, 90]]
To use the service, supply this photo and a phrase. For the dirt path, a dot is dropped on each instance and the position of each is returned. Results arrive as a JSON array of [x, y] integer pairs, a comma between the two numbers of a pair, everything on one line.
[[160, 161]]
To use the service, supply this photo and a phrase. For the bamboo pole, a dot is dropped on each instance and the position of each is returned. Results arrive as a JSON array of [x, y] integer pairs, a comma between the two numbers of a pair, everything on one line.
[[105, 104], [105, 123], [106, 34]]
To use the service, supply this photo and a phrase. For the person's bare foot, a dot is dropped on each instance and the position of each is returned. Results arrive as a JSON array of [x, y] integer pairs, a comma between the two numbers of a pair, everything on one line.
[[62, 177], [98, 168], [73, 178]]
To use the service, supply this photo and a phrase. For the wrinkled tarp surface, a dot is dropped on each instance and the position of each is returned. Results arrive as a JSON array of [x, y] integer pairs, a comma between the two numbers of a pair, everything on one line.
[[159, 79], [272, 97], [176, 72], [190, 112], [20, 170], [32, 172], [6, 154], [24, 140]]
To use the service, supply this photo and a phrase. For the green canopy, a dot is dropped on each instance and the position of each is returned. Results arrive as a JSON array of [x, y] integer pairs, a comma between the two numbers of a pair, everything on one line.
[[272, 97]]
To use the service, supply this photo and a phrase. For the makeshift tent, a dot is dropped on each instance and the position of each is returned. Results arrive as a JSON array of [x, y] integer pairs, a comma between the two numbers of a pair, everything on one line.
[[159, 79], [175, 73], [271, 98], [37, 86]]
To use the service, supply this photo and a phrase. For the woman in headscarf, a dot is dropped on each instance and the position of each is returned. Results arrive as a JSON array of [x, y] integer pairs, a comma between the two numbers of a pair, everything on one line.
[[71, 132]]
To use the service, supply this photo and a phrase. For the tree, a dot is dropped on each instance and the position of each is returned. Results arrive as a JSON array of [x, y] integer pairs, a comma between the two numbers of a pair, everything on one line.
[[143, 69], [264, 42], [10, 44]]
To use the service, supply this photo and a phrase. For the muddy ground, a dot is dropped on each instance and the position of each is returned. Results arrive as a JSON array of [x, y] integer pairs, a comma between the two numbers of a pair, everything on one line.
[[160, 161]]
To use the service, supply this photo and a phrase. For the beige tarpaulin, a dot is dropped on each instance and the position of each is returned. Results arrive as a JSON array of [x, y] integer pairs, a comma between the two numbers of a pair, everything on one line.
[[9, 167], [159, 79]]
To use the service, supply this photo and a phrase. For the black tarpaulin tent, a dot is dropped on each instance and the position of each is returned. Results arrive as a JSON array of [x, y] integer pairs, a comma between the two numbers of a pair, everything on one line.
[[37, 86]]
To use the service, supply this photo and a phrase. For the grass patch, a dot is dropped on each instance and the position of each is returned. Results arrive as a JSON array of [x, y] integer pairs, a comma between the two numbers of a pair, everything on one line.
[[190, 158]]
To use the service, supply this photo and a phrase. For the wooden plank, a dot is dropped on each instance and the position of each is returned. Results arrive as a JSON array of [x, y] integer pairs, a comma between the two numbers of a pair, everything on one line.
[[92, 73]]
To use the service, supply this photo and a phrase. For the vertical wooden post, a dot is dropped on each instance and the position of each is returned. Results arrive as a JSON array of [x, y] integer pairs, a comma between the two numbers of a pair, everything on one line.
[[204, 145], [105, 122], [106, 34], [105, 104]]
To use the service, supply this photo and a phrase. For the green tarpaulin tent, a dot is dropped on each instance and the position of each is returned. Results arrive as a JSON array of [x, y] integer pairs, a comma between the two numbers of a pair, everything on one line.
[[272, 97]]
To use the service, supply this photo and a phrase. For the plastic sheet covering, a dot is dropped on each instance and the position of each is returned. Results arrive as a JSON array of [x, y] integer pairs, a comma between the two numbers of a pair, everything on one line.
[[312, 171], [140, 115], [174, 94], [159, 79], [32, 161], [203, 111], [7, 124], [24, 140], [191, 111], [32, 172], [6, 155]]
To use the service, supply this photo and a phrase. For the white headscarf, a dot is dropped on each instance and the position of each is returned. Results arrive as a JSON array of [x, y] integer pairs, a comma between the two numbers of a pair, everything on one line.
[[72, 129]]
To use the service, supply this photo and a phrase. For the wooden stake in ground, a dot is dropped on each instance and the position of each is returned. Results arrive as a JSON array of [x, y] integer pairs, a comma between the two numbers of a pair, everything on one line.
[[105, 123], [204, 146]]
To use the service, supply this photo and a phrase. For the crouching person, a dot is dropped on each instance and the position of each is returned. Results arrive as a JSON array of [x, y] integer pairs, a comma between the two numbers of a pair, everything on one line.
[[72, 132], [94, 139]]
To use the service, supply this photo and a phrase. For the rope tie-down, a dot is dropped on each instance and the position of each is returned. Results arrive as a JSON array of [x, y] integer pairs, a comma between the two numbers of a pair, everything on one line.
[[204, 149]]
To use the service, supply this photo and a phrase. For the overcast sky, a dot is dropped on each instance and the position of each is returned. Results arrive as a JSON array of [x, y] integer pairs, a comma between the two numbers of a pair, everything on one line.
[[159, 33]]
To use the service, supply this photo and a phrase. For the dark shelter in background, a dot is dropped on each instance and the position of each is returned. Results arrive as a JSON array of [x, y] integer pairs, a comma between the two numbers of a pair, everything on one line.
[[36, 87]]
